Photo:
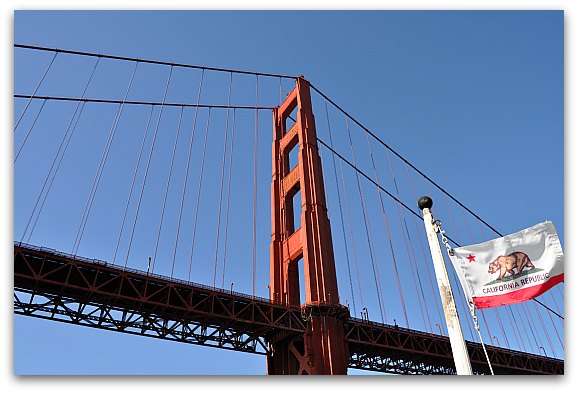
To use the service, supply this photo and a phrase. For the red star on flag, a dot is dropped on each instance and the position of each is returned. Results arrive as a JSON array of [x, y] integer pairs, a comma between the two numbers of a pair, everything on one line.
[[471, 258]]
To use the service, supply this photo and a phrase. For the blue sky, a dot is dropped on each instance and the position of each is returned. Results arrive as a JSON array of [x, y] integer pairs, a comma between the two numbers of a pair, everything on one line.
[[474, 99]]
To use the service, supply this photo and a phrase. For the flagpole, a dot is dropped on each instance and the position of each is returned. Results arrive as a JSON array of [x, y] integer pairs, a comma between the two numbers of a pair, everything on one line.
[[457, 342]]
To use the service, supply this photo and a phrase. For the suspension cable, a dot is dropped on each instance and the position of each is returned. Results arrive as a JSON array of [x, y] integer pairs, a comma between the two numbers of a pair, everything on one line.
[[255, 183], [176, 104], [29, 131], [556, 331], [385, 220], [167, 189], [555, 302], [62, 144], [147, 167], [531, 329], [357, 170], [502, 327], [523, 326], [133, 183], [180, 65], [548, 308], [427, 265], [198, 201], [511, 318], [35, 90], [340, 212], [221, 186], [101, 165], [462, 300], [187, 176], [545, 330], [404, 160], [228, 198], [376, 277], [351, 234], [54, 175]]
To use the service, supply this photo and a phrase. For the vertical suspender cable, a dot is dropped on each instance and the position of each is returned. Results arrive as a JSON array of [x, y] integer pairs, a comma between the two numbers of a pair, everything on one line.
[[462, 299], [467, 223], [456, 284], [555, 303], [228, 198], [30, 130], [545, 330], [367, 231], [340, 211], [41, 207], [187, 176], [520, 318], [511, 317], [428, 265], [132, 183], [148, 166], [424, 256], [351, 235], [198, 201], [35, 90], [502, 327], [64, 143], [556, 331], [530, 326], [487, 327], [101, 165], [255, 183], [386, 222], [222, 180], [167, 189], [280, 90]]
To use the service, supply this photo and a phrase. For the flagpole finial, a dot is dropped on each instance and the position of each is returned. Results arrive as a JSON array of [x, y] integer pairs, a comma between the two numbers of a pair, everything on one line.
[[424, 202]]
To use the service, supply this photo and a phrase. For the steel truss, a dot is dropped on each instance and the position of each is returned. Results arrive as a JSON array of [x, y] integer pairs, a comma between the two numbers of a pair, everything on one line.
[[61, 287]]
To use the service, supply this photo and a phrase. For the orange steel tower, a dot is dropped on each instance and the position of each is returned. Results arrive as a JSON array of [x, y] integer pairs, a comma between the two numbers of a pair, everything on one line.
[[322, 349]]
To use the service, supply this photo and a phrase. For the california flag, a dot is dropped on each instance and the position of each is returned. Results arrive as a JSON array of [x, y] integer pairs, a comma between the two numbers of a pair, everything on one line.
[[511, 269]]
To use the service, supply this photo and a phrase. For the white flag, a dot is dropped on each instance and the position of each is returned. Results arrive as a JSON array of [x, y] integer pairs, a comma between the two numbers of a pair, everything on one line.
[[511, 269]]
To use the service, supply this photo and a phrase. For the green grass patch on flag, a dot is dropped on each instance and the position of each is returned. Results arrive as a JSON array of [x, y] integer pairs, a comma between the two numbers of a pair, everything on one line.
[[513, 277]]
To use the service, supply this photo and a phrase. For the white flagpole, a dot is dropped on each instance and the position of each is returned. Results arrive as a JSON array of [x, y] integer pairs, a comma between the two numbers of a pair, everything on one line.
[[459, 350]]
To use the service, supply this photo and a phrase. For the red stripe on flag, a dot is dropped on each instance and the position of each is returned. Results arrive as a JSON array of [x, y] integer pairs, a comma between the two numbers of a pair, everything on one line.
[[518, 296]]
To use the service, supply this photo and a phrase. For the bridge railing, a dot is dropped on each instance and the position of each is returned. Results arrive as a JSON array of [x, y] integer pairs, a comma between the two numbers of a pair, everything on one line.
[[54, 252]]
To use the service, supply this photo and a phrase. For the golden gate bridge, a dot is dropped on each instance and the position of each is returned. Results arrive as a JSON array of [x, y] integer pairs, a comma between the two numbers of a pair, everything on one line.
[[174, 199]]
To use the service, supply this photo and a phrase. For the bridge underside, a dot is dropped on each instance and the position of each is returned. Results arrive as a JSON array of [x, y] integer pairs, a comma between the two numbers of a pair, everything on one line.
[[60, 287]]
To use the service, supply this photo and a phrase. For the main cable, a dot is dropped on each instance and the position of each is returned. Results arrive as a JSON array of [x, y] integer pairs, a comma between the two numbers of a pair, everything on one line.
[[176, 104], [404, 160], [166, 63]]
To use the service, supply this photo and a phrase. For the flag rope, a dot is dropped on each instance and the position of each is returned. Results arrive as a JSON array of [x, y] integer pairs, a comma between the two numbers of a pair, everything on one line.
[[477, 327], [450, 252]]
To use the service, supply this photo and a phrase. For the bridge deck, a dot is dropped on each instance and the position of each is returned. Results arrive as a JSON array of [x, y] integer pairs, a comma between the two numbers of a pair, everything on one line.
[[57, 286]]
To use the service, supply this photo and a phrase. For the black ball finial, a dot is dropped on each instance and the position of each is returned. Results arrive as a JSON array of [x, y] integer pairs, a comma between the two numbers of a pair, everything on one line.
[[424, 202]]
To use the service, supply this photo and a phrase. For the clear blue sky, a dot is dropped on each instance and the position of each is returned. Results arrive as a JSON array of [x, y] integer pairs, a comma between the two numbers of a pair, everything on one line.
[[473, 99]]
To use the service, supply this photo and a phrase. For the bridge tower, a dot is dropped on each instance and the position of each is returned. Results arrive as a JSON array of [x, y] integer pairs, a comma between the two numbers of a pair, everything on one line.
[[322, 349]]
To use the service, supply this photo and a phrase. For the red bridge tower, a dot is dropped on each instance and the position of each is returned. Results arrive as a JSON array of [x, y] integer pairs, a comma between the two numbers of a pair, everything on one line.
[[322, 349]]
